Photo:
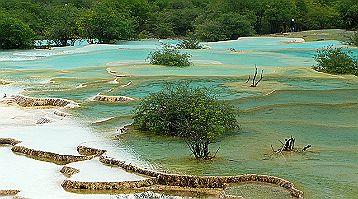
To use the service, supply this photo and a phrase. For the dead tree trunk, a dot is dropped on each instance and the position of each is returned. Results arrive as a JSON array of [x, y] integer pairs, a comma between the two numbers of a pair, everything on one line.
[[254, 83], [289, 145], [248, 80], [262, 72], [253, 80]]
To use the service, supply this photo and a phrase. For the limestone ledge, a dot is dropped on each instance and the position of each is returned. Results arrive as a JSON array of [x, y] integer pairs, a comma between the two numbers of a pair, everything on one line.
[[88, 151], [105, 98], [43, 120], [69, 171], [9, 141], [9, 192], [3, 82], [125, 185], [142, 186], [203, 181], [207, 185], [25, 101], [61, 114], [232, 197], [49, 156]]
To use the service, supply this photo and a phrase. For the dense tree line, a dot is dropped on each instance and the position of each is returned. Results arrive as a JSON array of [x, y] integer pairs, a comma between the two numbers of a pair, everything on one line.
[[106, 21]]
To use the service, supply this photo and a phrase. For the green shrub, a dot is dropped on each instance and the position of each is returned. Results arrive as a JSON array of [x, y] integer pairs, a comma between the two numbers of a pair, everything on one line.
[[191, 113], [353, 39], [169, 56], [335, 61], [190, 44]]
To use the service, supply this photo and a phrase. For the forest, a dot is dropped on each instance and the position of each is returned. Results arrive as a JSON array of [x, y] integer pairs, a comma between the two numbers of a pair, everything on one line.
[[107, 21]]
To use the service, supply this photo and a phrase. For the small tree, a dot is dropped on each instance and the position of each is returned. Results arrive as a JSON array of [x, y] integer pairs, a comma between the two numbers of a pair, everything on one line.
[[169, 56], [14, 34], [335, 61], [190, 44], [191, 113]]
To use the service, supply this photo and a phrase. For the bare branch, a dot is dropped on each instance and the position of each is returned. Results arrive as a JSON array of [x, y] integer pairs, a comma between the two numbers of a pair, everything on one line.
[[281, 142], [253, 80], [260, 77], [190, 147], [273, 149], [248, 80], [306, 147], [216, 152]]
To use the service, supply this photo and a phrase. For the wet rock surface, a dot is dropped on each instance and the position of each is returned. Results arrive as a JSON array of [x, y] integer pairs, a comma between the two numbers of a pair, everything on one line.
[[60, 113], [88, 151], [3, 82], [43, 120], [49, 156], [9, 141], [9, 192], [69, 171], [105, 98], [207, 185], [125, 185], [203, 181], [25, 101]]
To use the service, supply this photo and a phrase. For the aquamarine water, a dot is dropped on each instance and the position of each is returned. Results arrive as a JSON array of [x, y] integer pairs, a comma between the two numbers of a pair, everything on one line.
[[317, 109]]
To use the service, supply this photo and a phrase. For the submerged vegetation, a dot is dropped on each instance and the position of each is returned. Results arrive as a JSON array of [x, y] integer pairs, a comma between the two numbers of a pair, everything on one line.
[[191, 113], [169, 56], [336, 61], [107, 21]]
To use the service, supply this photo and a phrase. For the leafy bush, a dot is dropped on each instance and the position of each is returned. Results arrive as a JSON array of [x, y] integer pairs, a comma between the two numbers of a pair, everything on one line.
[[353, 39], [14, 34], [169, 56], [191, 113], [335, 61], [190, 44]]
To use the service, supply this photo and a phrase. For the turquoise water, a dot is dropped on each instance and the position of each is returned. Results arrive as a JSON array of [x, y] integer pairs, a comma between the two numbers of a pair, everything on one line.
[[315, 108], [261, 190]]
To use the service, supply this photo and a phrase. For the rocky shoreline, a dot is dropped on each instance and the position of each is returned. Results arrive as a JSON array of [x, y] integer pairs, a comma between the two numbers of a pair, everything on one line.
[[9, 141], [25, 101], [155, 180], [9, 192], [49, 156], [105, 98]]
